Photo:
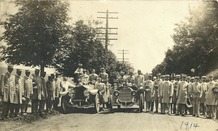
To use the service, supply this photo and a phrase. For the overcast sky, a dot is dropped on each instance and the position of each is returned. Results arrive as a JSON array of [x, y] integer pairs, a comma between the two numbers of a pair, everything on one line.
[[144, 27]]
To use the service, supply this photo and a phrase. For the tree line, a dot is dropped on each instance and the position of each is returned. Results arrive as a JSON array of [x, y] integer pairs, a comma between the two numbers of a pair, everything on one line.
[[196, 42]]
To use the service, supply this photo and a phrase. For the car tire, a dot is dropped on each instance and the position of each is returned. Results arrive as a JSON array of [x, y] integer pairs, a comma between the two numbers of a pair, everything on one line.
[[141, 102], [111, 103], [97, 103]]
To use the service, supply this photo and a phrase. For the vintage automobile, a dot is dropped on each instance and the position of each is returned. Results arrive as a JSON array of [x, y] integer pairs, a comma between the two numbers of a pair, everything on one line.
[[127, 96], [81, 96]]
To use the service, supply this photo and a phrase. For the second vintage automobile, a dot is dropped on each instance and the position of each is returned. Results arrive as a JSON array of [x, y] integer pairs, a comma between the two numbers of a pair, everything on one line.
[[127, 96]]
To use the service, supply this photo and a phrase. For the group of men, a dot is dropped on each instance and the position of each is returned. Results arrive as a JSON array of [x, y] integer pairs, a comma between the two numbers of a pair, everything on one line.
[[177, 94], [18, 92]]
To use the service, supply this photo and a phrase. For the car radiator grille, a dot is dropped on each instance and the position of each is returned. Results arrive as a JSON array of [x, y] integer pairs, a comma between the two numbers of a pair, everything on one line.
[[125, 95]]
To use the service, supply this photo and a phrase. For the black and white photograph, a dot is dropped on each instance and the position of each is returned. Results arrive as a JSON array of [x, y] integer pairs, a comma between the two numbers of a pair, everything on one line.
[[108, 65]]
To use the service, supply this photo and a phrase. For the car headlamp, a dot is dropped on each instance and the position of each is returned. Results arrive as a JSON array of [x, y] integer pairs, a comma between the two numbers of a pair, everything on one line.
[[86, 93], [133, 93], [116, 93]]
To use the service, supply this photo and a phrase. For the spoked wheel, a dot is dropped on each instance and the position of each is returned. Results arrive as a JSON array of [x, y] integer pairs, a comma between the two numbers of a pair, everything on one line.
[[97, 103], [141, 102], [111, 103]]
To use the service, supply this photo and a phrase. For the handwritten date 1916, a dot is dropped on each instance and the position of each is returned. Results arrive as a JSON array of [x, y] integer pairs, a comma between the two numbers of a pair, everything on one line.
[[188, 125]]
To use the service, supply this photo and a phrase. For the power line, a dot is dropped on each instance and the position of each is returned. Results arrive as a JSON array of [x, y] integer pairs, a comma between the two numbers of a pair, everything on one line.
[[123, 53], [107, 28]]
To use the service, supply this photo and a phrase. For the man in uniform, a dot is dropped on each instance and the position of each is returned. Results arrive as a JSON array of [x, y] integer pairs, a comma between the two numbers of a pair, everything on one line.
[[93, 77], [37, 83], [210, 98], [18, 93], [196, 93], [160, 95], [7, 91], [42, 94], [182, 95], [57, 90], [148, 87], [167, 94], [139, 79], [28, 88], [175, 87], [203, 97], [155, 92], [51, 93]]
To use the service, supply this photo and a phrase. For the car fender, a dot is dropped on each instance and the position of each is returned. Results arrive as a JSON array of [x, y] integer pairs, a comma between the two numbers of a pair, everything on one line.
[[94, 91], [63, 93]]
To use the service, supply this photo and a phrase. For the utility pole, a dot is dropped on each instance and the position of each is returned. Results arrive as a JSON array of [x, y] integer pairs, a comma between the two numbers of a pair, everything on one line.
[[107, 28], [123, 53]]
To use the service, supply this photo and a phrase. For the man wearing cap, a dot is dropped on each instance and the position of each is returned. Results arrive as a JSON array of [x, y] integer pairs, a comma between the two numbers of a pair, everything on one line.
[[167, 93], [7, 91], [19, 90], [210, 98], [104, 76], [203, 97], [182, 95], [148, 87], [190, 81], [155, 93], [174, 100], [37, 83], [160, 95], [42, 93], [93, 77], [196, 93], [57, 90], [28, 91], [139, 79]]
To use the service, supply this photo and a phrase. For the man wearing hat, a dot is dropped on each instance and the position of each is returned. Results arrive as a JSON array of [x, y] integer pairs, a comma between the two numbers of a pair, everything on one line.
[[167, 93], [7, 91], [174, 100], [37, 83], [160, 90], [28, 88], [155, 93], [148, 87], [210, 98], [196, 93], [42, 93], [182, 95], [57, 90], [203, 96], [19, 87]]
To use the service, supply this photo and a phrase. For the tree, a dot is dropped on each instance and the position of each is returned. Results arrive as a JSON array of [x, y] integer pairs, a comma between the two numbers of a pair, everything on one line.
[[35, 32], [195, 42]]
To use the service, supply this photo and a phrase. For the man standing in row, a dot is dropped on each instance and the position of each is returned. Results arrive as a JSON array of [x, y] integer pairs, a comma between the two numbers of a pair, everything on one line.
[[7, 91], [167, 94], [196, 93], [182, 95]]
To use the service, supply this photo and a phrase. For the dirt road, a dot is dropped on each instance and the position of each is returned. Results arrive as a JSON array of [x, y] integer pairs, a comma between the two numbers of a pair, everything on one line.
[[122, 120]]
